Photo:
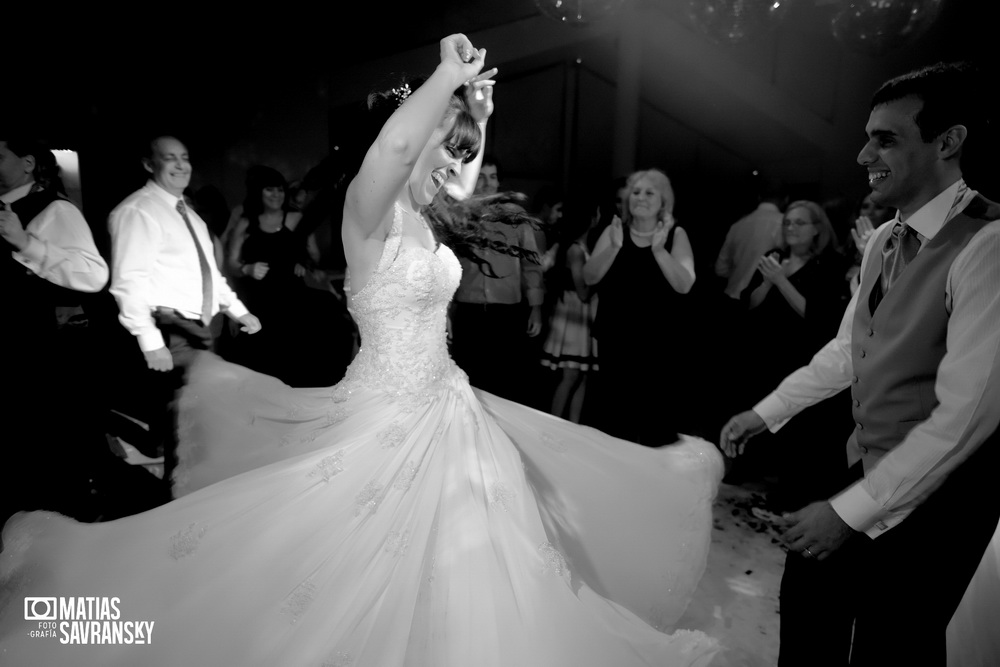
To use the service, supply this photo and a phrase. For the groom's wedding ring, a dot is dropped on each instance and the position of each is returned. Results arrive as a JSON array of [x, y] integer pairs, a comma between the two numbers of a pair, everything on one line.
[[809, 553]]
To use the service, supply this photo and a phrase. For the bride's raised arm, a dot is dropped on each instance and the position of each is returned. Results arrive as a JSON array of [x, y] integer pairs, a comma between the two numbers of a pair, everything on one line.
[[479, 96], [391, 158]]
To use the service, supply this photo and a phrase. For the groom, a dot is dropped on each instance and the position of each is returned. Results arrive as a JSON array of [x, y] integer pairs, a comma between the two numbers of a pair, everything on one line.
[[919, 346]]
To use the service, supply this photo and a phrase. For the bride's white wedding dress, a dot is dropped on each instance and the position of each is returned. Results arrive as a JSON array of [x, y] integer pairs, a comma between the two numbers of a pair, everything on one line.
[[398, 518]]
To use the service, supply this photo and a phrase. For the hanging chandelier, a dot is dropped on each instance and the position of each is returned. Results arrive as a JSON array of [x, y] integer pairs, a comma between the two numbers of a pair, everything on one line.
[[578, 12], [735, 21], [875, 27]]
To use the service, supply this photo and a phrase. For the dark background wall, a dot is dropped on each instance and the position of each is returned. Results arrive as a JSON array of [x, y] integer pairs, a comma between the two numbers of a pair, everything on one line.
[[282, 87]]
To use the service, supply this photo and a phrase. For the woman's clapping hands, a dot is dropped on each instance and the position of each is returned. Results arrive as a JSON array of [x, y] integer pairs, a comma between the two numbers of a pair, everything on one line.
[[661, 232], [771, 269], [862, 233], [616, 233]]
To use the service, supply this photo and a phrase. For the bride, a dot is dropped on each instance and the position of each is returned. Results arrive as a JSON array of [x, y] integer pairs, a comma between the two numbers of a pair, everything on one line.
[[398, 518]]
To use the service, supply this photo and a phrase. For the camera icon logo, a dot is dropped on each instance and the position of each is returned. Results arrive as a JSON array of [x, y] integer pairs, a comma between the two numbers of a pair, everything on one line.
[[40, 609]]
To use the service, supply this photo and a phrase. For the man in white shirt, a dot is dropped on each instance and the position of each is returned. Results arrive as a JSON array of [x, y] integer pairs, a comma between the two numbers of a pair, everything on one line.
[[47, 233], [750, 237], [919, 346], [165, 279], [50, 265]]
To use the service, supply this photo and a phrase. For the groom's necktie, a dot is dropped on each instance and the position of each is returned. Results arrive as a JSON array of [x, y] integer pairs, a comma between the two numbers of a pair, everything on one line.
[[901, 247], [898, 251], [903, 244], [206, 273]]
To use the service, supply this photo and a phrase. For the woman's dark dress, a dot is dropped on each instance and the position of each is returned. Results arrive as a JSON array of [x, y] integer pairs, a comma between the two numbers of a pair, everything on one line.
[[303, 340], [779, 339], [639, 327], [810, 450], [809, 453]]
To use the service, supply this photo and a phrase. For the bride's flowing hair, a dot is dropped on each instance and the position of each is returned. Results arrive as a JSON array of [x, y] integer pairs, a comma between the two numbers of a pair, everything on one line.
[[459, 223]]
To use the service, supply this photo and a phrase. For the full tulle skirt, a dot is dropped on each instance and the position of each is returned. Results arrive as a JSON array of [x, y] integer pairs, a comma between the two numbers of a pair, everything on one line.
[[352, 526]]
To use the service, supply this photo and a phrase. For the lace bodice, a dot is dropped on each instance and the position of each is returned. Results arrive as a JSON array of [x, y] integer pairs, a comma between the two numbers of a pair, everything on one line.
[[401, 314]]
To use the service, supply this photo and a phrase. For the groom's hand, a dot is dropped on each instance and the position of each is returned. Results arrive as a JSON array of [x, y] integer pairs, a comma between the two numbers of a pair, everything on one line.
[[816, 531], [739, 429]]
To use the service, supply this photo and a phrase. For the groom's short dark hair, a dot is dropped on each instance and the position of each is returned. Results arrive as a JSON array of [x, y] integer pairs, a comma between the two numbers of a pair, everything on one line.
[[951, 94]]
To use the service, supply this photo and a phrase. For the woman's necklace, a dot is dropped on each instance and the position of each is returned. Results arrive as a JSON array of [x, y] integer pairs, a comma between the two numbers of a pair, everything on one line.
[[414, 215], [423, 223], [636, 232], [270, 225]]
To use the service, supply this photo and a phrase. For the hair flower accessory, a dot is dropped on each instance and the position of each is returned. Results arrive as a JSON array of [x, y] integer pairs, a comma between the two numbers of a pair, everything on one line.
[[401, 93]]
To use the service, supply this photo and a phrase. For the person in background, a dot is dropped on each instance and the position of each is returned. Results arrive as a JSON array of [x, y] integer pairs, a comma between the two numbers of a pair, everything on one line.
[[488, 181], [548, 206], [498, 308], [643, 268], [272, 256], [870, 216], [55, 378], [794, 298], [570, 349], [750, 237], [794, 302], [167, 284]]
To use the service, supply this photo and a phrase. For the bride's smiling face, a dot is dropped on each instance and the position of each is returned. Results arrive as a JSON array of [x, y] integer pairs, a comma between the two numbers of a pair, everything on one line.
[[439, 161]]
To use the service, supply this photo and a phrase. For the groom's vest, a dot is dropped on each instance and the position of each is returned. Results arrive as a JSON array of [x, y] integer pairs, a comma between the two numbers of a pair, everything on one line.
[[896, 351]]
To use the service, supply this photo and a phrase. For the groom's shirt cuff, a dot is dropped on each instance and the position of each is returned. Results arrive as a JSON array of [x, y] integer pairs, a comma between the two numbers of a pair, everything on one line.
[[862, 513]]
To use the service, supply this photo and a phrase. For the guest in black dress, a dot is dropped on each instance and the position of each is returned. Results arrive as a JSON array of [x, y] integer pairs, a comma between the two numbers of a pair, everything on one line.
[[794, 303], [643, 268], [304, 343], [795, 297]]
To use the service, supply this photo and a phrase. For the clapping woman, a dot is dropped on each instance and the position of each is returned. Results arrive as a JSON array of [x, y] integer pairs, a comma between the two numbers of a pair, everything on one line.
[[795, 298], [642, 268]]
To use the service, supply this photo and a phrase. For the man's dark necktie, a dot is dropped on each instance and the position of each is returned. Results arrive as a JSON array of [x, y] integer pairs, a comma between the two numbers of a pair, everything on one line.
[[206, 273], [899, 250]]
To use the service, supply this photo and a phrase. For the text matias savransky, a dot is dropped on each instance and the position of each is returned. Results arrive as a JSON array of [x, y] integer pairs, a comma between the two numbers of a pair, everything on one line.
[[84, 620]]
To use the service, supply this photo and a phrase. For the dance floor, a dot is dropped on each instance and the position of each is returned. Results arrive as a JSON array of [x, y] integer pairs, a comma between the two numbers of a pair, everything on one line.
[[737, 600]]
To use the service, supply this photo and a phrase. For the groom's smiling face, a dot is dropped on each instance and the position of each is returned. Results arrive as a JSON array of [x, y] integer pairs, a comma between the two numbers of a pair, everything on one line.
[[901, 165]]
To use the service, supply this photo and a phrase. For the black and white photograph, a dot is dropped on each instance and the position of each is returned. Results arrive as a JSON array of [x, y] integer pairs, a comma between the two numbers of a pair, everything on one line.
[[532, 333]]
